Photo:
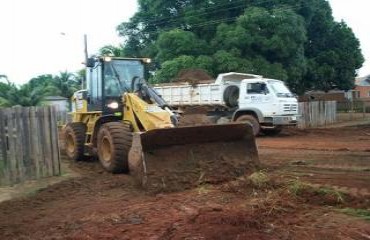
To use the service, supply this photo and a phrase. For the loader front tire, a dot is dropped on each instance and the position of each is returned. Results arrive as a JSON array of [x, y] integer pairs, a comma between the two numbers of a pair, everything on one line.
[[74, 137], [252, 121], [113, 144]]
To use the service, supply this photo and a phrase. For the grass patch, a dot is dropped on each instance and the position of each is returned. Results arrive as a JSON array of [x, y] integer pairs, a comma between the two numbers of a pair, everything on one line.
[[325, 191], [259, 179], [203, 189], [360, 213], [297, 187], [321, 195]]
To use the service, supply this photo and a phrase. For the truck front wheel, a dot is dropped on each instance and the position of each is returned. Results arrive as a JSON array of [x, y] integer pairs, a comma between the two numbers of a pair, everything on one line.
[[252, 121], [272, 131]]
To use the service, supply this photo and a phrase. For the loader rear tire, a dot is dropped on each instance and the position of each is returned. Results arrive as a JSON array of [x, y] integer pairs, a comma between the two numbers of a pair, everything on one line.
[[252, 121], [114, 143], [74, 136]]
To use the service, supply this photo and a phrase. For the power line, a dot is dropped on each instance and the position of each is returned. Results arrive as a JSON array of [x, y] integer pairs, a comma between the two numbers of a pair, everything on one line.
[[217, 7], [217, 21]]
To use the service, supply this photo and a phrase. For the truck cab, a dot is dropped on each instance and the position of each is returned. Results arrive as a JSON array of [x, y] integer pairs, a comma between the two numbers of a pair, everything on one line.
[[270, 100]]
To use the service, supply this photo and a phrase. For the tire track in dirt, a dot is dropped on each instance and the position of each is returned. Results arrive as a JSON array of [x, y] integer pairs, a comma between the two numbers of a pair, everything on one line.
[[331, 158]]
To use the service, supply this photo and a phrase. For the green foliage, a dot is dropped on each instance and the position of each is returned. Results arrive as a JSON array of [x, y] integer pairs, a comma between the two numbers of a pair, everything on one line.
[[170, 68], [361, 213], [259, 179], [66, 83], [296, 187], [178, 42], [110, 50], [302, 189], [34, 92], [297, 41]]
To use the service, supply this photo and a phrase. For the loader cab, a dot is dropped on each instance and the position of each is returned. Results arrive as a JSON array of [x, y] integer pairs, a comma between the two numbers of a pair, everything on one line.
[[108, 78]]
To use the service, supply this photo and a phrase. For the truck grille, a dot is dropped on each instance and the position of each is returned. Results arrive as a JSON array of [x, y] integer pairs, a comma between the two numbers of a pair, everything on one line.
[[290, 108]]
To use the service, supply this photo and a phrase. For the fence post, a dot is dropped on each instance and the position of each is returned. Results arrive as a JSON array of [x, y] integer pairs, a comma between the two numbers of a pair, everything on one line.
[[54, 141], [4, 164]]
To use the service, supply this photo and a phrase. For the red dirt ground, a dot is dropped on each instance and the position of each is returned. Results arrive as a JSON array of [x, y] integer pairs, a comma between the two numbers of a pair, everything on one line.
[[99, 205]]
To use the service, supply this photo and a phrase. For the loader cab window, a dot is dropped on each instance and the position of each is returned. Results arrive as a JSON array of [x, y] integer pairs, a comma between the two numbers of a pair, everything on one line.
[[257, 88], [118, 75], [94, 87], [112, 86]]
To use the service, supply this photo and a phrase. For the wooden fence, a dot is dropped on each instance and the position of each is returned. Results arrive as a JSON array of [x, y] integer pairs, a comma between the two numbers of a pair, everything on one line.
[[28, 144], [318, 113], [63, 117]]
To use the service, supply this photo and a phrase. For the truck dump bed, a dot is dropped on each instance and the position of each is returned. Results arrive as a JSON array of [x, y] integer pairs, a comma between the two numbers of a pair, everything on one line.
[[202, 93]]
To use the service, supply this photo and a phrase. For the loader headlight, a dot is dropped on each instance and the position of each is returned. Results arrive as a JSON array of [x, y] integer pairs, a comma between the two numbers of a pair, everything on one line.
[[147, 60], [107, 59], [113, 105]]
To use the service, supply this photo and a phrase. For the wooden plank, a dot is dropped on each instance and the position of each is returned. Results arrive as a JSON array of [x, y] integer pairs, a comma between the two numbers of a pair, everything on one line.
[[18, 133], [47, 142], [307, 114], [4, 177], [40, 142], [34, 146], [54, 142], [11, 146], [27, 163]]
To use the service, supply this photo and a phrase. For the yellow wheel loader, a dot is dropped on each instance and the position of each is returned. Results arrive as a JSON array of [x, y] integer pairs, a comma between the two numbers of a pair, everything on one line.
[[125, 123]]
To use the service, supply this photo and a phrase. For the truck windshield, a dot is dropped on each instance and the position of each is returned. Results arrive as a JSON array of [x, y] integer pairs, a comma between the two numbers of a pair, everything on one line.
[[118, 75], [280, 89]]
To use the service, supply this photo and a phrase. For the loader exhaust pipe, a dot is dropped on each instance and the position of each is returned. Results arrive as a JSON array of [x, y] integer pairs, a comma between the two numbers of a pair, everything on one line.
[[175, 159]]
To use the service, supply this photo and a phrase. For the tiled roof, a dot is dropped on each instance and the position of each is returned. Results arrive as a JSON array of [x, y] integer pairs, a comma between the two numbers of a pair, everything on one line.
[[363, 81]]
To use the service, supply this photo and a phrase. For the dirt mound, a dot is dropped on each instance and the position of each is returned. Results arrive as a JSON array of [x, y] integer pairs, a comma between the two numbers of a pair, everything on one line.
[[195, 119], [193, 76]]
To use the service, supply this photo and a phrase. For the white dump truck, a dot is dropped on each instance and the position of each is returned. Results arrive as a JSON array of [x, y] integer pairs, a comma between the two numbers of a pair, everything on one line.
[[267, 104]]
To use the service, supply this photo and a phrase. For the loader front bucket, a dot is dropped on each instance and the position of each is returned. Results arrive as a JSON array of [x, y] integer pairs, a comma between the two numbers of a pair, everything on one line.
[[180, 158]]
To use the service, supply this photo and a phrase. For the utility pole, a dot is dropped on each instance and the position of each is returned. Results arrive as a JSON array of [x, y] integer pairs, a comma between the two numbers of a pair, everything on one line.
[[86, 57]]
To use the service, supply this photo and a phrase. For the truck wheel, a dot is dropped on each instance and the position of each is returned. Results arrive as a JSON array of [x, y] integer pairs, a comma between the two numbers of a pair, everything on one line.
[[231, 96], [74, 137], [114, 143], [252, 121], [272, 131]]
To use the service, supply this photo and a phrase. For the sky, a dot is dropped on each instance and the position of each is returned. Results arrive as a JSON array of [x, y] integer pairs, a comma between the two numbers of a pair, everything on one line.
[[46, 36]]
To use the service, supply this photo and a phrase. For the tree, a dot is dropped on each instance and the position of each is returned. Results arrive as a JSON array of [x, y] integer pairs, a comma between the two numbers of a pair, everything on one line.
[[335, 65], [111, 50], [178, 42], [44, 82], [6, 90], [156, 16], [294, 40], [3, 76], [34, 91], [11, 95], [66, 83], [170, 68], [261, 46]]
